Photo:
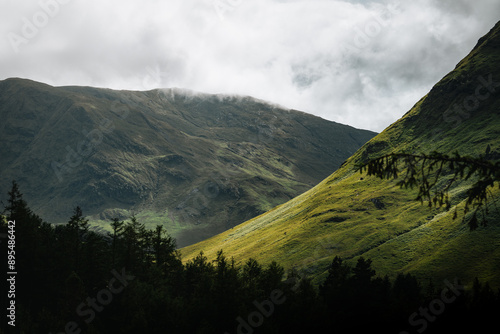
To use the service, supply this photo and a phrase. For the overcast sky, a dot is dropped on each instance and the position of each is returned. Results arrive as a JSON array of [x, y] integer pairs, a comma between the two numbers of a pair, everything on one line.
[[362, 63]]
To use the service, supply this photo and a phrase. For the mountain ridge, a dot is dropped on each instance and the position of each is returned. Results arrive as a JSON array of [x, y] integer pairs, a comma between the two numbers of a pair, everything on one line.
[[198, 164], [351, 215]]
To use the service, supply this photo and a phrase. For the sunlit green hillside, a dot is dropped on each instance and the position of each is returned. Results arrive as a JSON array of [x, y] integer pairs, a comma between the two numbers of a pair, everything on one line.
[[352, 215]]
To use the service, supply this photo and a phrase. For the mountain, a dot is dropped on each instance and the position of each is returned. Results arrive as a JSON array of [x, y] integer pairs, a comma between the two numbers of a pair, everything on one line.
[[197, 163], [351, 215]]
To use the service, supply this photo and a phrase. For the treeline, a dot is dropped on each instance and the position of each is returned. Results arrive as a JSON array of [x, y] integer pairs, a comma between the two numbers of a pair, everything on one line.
[[71, 279]]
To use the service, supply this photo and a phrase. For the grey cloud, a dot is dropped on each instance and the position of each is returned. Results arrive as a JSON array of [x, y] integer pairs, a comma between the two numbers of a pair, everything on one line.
[[364, 63]]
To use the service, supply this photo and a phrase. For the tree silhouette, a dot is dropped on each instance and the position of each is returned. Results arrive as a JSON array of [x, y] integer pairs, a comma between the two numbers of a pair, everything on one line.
[[117, 226], [363, 271], [203, 296], [77, 227]]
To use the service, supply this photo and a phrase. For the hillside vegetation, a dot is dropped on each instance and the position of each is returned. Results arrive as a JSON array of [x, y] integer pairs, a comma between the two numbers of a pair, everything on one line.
[[132, 280], [351, 215], [196, 163]]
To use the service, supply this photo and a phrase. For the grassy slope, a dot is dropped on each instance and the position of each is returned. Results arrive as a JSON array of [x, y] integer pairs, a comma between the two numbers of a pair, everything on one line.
[[350, 215]]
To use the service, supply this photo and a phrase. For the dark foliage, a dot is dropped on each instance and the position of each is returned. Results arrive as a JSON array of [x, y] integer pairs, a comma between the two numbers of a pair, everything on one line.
[[74, 280], [426, 172]]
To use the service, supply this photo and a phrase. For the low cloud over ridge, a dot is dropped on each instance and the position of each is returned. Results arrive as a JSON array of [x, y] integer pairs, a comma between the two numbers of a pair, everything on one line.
[[362, 63]]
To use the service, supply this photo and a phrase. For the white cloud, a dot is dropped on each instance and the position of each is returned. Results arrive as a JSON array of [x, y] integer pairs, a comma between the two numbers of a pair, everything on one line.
[[363, 63]]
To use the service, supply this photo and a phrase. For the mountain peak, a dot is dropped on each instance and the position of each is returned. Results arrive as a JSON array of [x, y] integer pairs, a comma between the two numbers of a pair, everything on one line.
[[490, 40], [352, 215]]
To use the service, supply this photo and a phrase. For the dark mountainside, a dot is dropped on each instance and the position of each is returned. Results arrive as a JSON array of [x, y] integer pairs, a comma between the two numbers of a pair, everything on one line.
[[198, 163]]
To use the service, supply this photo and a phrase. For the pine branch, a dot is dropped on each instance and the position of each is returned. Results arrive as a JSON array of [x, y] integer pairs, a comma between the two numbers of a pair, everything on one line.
[[425, 171]]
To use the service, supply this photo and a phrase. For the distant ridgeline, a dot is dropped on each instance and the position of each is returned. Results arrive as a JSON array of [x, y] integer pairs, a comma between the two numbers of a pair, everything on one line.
[[198, 164]]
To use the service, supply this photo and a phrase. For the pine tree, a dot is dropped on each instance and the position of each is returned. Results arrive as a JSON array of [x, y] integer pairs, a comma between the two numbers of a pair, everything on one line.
[[117, 226], [363, 272], [77, 226], [338, 274]]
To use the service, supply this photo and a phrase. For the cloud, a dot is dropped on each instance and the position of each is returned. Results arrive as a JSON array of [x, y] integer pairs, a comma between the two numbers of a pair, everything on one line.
[[362, 63]]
